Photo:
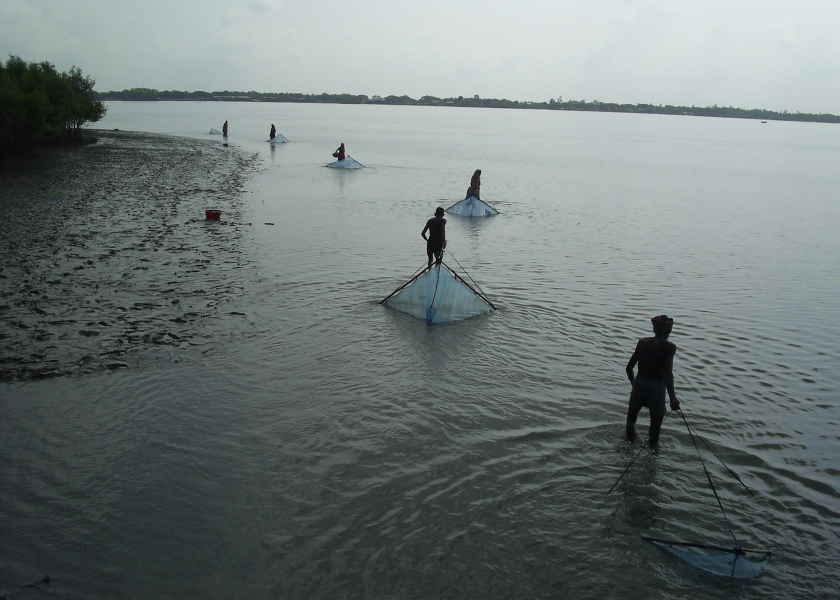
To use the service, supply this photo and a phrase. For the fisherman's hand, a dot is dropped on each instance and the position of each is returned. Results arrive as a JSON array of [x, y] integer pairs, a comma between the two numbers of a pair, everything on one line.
[[675, 404]]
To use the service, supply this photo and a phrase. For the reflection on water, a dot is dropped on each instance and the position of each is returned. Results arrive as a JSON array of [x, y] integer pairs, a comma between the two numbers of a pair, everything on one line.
[[310, 443]]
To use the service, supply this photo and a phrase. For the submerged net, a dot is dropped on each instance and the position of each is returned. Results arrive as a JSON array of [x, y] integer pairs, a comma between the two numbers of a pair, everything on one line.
[[725, 562], [736, 561], [438, 295], [472, 207], [348, 163]]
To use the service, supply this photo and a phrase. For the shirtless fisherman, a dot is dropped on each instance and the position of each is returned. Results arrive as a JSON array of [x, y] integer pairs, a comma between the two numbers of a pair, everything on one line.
[[655, 357], [436, 242]]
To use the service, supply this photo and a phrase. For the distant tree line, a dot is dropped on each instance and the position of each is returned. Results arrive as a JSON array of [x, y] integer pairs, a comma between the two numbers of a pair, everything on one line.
[[39, 104], [473, 101]]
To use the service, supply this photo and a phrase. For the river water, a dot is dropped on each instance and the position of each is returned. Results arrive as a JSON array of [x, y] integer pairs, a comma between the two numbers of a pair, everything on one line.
[[310, 443]]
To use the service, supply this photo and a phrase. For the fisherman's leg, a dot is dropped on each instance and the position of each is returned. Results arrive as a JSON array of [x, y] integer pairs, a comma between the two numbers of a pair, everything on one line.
[[438, 255], [430, 251], [633, 409], [657, 414]]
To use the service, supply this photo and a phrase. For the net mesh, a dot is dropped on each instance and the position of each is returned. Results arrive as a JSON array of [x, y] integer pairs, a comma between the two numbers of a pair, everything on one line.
[[438, 295], [738, 563], [348, 163], [472, 207]]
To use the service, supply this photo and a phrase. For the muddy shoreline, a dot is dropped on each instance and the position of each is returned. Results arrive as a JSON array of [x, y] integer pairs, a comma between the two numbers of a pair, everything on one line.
[[105, 253]]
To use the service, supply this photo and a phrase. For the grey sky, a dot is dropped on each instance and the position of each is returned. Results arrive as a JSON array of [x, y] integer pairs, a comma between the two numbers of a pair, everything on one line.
[[769, 54]]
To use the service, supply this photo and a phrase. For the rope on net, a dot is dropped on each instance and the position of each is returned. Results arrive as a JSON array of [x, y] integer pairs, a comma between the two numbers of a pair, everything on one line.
[[709, 479], [709, 446], [474, 282], [411, 279], [626, 470], [430, 312]]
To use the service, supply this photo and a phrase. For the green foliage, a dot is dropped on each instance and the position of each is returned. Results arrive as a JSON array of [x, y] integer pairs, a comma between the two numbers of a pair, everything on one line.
[[38, 103]]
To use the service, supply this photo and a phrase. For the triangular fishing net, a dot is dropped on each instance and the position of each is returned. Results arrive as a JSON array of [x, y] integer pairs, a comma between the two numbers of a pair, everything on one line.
[[438, 295], [735, 561], [472, 207], [348, 163], [726, 562]]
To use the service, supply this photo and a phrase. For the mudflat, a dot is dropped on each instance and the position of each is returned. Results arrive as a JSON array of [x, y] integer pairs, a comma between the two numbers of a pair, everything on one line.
[[105, 250]]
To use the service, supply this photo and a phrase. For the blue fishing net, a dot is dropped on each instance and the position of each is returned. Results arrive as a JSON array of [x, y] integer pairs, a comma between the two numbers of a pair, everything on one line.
[[734, 562], [439, 295], [472, 207], [348, 163]]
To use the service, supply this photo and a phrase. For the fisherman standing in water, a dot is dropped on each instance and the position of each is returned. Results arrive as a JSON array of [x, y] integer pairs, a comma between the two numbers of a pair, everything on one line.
[[225, 129], [655, 357], [436, 242], [273, 133], [475, 185], [339, 152]]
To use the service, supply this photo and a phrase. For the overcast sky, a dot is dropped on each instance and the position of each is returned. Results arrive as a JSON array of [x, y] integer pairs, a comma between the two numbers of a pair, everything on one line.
[[769, 54]]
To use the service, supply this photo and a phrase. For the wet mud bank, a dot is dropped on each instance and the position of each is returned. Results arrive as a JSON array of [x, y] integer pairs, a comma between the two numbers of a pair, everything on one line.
[[106, 255]]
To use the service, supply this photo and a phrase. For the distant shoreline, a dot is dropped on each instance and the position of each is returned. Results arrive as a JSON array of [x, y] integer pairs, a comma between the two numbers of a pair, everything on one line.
[[731, 112]]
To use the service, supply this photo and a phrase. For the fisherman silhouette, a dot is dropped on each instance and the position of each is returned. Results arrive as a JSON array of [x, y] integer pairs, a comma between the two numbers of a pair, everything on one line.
[[225, 129], [655, 357], [436, 242], [339, 152], [273, 133], [475, 185]]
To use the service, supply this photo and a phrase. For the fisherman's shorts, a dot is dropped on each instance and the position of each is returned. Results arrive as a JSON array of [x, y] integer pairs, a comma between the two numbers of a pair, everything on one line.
[[650, 393]]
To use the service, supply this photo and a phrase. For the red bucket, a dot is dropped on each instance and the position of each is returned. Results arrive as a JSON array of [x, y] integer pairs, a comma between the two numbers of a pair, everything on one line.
[[212, 214]]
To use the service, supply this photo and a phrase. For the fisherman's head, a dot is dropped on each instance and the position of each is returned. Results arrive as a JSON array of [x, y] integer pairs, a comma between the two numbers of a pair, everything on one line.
[[662, 325], [478, 171], [439, 211]]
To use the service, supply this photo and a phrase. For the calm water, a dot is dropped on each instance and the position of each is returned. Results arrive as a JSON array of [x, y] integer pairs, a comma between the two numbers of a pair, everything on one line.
[[318, 445]]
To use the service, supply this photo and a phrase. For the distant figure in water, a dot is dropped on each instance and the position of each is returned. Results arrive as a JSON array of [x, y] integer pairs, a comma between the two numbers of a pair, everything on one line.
[[225, 129], [339, 152], [655, 357], [475, 185], [436, 242], [273, 133]]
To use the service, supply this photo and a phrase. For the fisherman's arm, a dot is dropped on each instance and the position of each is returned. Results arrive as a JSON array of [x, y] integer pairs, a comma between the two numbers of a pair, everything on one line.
[[669, 384], [632, 363], [423, 233]]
